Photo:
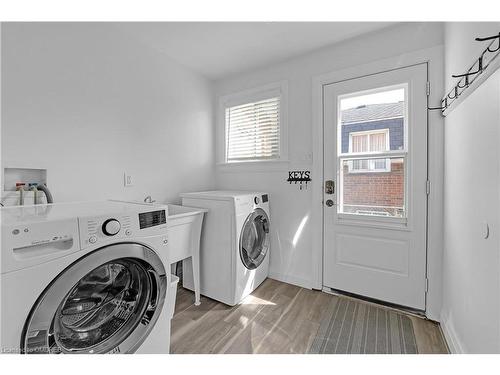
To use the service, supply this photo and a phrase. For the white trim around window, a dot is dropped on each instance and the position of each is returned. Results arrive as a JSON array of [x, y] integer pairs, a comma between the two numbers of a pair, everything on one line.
[[278, 89]]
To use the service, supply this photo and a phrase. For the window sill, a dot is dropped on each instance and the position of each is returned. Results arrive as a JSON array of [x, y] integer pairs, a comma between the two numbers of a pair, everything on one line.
[[253, 166]]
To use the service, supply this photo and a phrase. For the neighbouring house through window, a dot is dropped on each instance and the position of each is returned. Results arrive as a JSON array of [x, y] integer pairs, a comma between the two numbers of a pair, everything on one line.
[[372, 153], [366, 142]]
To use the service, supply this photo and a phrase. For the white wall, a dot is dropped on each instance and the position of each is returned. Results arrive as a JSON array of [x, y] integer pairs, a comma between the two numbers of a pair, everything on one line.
[[291, 260], [471, 290], [89, 103]]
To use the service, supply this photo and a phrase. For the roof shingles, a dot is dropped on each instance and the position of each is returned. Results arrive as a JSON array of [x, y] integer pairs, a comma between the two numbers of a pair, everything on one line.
[[372, 112]]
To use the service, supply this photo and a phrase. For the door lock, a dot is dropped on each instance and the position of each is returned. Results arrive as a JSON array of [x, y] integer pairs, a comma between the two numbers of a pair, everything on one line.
[[329, 203], [329, 187]]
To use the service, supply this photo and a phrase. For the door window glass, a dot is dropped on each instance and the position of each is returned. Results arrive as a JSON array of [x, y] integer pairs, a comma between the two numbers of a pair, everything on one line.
[[370, 193], [372, 153]]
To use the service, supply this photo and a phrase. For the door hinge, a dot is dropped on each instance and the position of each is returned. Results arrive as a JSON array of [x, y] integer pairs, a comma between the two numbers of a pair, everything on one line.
[[428, 187], [428, 88], [426, 284]]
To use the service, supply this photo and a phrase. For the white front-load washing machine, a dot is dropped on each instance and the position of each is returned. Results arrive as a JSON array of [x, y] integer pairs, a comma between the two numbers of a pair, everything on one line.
[[85, 278], [235, 243]]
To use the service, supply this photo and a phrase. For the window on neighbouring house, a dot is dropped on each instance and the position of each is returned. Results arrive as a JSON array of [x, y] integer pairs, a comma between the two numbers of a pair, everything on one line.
[[366, 142]]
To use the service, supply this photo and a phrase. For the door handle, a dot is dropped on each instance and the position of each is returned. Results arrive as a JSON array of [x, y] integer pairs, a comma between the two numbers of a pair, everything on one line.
[[329, 203], [329, 187]]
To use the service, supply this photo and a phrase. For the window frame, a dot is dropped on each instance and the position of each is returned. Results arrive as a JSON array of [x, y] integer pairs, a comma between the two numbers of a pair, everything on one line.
[[278, 89], [390, 154], [386, 132]]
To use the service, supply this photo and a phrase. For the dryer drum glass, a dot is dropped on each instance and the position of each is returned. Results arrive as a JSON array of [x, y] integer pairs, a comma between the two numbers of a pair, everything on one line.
[[254, 240], [102, 308]]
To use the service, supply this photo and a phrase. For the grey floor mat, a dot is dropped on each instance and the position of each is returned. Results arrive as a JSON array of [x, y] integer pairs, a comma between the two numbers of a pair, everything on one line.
[[348, 326]]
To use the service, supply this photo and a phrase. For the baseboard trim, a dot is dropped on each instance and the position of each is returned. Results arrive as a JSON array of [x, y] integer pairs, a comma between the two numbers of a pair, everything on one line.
[[450, 336], [289, 279]]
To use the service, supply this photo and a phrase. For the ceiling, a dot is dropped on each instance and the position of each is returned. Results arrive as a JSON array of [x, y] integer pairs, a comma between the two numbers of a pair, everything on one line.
[[220, 49]]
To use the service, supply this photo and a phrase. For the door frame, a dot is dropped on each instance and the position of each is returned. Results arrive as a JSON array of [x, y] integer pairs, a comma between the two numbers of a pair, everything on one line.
[[434, 58]]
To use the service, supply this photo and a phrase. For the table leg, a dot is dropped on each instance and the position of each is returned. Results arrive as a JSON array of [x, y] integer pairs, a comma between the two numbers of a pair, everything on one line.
[[195, 260]]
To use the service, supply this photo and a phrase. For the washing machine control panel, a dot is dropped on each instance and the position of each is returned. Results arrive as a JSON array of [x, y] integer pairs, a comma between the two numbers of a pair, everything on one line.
[[102, 228], [111, 227], [152, 218], [98, 229]]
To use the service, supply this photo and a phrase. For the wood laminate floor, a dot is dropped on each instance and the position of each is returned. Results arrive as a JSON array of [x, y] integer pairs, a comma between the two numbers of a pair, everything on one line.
[[276, 318]]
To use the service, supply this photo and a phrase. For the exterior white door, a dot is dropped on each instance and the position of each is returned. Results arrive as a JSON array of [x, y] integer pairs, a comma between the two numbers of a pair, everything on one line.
[[375, 188]]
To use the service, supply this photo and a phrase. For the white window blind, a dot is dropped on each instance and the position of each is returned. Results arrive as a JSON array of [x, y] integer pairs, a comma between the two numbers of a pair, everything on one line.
[[253, 131]]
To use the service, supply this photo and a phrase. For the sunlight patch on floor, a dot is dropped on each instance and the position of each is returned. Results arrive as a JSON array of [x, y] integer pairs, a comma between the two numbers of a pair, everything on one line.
[[252, 300]]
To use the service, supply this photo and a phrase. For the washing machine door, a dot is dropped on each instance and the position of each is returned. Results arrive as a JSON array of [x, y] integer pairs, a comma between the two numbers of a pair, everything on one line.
[[106, 302], [254, 239]]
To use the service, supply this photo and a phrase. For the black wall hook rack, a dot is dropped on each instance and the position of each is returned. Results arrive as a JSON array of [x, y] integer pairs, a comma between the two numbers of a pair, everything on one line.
[[488, 38], [300, 177], [466, 83], [466, 79], [479, 70], [442, 108]]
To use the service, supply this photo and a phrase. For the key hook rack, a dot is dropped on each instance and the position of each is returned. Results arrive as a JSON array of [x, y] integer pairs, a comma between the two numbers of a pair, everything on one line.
[[300, 177], [466, 79]]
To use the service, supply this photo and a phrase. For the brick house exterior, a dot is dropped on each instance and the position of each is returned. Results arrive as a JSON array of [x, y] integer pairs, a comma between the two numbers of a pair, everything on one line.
[[376, 191]]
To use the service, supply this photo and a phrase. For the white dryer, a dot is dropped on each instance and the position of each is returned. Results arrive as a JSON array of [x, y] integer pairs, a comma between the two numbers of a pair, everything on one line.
[[235, 243], [85, 278]]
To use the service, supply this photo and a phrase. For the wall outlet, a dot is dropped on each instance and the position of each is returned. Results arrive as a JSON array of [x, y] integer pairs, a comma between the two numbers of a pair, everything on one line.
[[127, 180]]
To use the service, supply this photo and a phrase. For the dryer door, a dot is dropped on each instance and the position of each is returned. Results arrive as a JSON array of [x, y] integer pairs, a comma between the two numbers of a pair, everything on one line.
[[106, 302], [254, 239]]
